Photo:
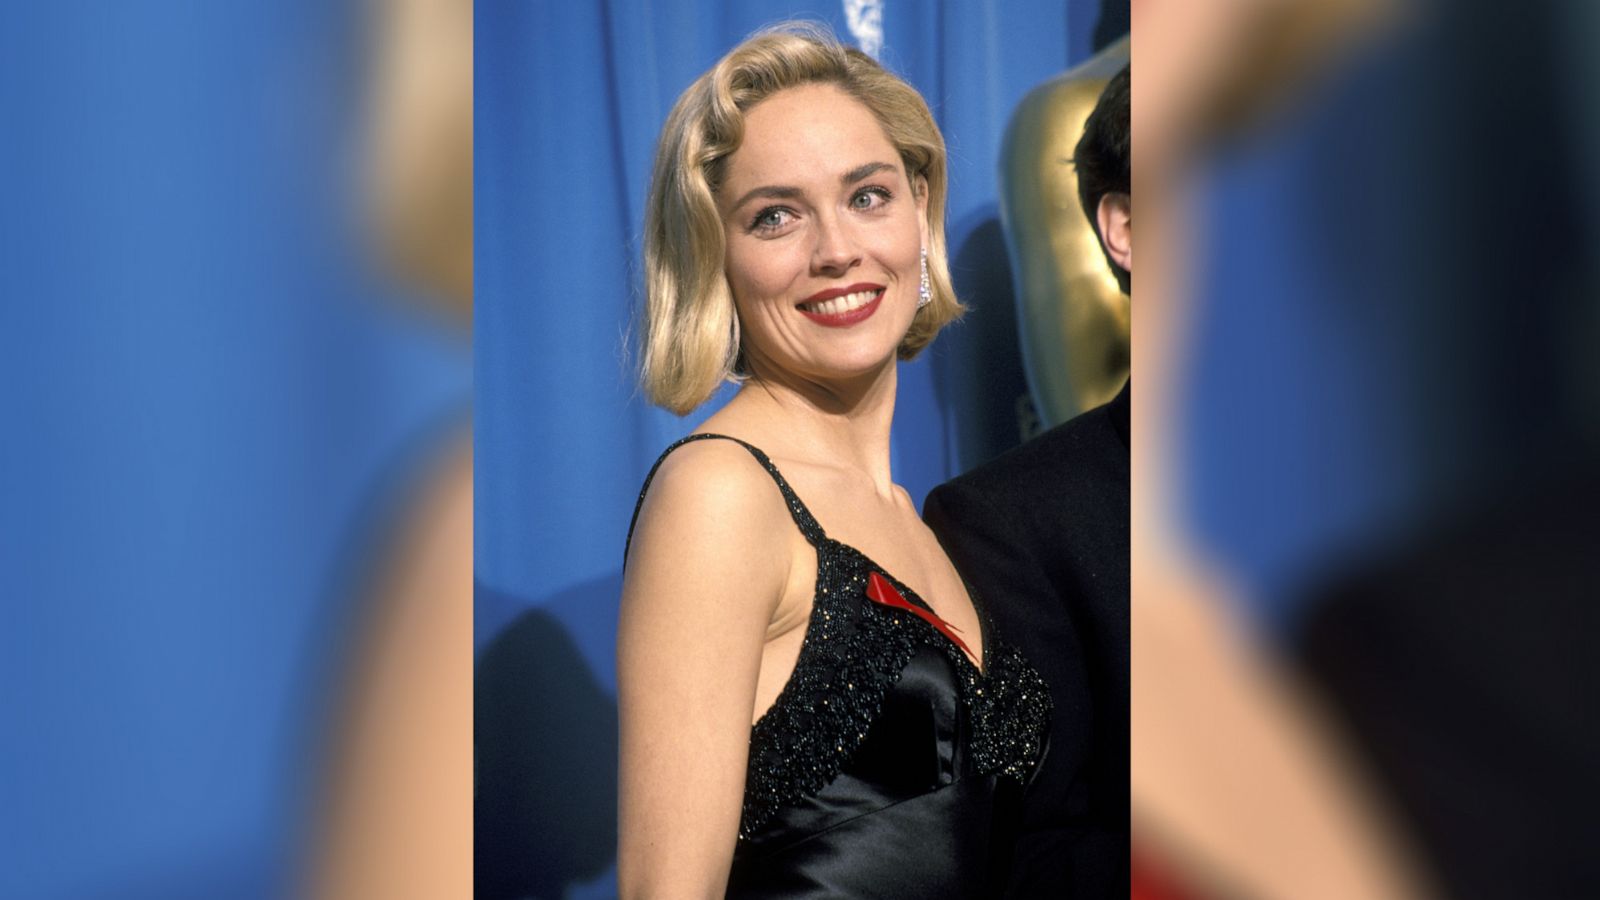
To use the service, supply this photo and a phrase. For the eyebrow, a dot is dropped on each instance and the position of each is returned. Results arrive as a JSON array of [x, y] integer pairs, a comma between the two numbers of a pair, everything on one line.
[[783, 192]]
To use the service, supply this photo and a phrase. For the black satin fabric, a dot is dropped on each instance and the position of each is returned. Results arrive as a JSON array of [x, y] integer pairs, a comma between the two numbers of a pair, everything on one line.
[[907, 816]]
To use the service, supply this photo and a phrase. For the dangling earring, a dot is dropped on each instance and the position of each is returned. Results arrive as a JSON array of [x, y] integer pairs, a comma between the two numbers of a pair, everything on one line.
[[924, 291]]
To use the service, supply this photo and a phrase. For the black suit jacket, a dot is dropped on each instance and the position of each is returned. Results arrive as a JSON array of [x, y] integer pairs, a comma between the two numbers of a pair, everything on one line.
[[1041, 533], [1465, 670]]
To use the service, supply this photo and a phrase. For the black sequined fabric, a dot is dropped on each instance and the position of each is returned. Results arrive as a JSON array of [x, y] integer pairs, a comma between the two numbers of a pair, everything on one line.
[[846, 667], [854, 655]]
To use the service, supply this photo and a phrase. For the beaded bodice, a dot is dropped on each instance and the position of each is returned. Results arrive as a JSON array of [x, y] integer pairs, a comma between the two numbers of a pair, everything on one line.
[[853, 654]]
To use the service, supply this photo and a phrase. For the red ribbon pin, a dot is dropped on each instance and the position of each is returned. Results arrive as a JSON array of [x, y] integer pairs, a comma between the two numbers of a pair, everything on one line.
[[880, 591]]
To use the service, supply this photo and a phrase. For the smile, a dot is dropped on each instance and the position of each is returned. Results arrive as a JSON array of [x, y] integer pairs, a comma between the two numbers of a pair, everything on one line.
[[841, 307]]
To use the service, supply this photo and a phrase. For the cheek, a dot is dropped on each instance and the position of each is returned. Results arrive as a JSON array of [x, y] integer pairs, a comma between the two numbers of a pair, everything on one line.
[[906, 233], [902, 250], [760, 273]]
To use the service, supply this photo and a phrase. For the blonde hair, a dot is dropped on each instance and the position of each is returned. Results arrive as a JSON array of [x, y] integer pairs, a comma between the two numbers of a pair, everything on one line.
[[691, 329]]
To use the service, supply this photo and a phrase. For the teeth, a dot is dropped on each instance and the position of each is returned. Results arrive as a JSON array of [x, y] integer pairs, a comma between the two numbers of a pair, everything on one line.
[[839, 305]]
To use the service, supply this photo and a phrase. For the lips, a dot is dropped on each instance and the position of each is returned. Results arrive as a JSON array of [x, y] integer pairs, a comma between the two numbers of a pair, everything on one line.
[[843, 306]]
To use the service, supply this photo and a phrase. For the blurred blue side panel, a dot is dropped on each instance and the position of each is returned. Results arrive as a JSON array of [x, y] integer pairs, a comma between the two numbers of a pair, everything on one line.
[[202, 397]]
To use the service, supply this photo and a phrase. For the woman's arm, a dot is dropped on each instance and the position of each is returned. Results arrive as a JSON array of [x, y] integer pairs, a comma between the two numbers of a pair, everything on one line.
[[706, 570], [1236, 780], [396, 817]]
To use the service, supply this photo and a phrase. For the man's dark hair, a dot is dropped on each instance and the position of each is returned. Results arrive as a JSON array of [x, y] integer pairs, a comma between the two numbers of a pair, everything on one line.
[[1102, 159]]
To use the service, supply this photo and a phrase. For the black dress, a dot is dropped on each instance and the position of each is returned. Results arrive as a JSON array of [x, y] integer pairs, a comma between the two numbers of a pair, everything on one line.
[[889, 765]]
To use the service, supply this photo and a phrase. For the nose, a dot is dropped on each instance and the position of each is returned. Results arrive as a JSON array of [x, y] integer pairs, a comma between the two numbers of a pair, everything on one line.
[[836, 250]]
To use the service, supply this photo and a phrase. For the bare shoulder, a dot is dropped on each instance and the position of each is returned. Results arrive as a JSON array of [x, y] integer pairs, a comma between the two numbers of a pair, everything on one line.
[[707, 484], [711, 508], [722, 469]]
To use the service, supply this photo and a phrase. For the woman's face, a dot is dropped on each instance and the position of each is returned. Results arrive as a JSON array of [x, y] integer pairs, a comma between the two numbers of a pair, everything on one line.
[[824, 232]]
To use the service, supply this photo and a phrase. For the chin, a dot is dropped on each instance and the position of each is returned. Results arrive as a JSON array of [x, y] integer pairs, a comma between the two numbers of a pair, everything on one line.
[[855, 365]]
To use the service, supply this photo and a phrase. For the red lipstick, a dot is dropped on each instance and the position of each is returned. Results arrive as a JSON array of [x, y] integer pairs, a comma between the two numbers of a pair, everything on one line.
[[848, 317]]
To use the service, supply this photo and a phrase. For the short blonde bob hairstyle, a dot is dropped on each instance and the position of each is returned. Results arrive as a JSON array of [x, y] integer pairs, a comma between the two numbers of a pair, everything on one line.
[[691, 329]]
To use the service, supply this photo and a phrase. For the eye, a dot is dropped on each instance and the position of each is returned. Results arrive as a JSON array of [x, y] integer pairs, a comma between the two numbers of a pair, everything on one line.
[[868, 199], [770, 219]]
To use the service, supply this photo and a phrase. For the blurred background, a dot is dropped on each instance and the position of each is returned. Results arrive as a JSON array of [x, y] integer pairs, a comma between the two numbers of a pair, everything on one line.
[[570, 99], [1366, 441], [218, 407]]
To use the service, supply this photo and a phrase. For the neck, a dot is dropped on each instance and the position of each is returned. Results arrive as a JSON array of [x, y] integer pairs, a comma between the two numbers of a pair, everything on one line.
[[837, 422]]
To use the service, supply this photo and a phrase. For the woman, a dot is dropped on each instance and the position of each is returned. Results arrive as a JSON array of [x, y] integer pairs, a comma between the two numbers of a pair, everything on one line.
[[795, 719]]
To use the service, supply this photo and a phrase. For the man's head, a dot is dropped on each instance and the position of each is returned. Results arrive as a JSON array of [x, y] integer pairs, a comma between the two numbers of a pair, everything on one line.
[[1104, 184]]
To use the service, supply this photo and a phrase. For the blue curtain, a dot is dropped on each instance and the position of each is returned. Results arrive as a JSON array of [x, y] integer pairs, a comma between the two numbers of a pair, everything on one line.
[[570, 99]]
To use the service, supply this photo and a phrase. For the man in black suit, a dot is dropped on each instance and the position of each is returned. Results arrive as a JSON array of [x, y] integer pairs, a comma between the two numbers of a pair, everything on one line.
[[1042, 533]]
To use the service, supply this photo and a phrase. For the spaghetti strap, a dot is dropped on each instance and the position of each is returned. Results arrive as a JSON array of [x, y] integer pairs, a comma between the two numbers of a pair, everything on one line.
[[803, 519]]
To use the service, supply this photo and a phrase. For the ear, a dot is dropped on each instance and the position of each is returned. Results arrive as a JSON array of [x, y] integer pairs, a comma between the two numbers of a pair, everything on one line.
[[1115, 218]]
